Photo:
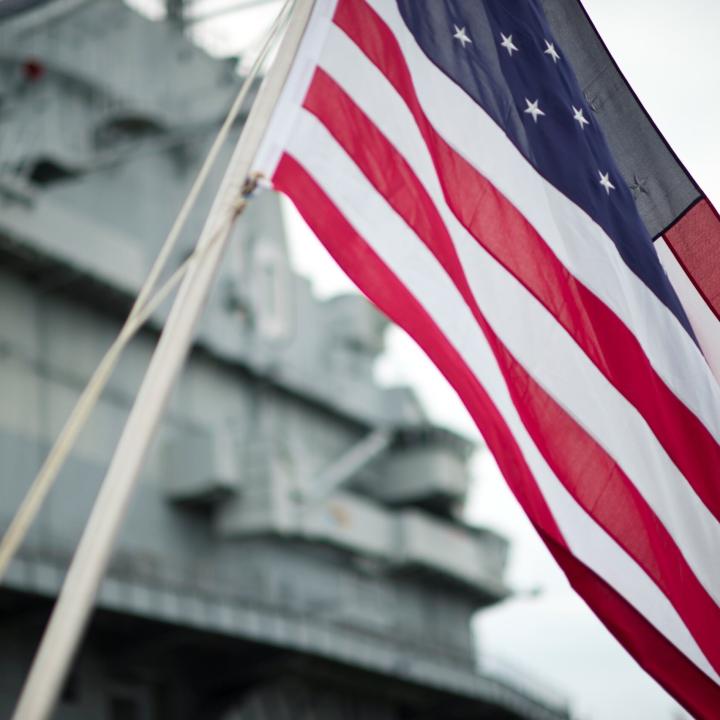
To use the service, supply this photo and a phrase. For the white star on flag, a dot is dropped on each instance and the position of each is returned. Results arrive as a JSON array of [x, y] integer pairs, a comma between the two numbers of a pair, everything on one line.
[[578, 115], [533, 109], [551, 51], [507, 43], [605, 182], [461, 35]]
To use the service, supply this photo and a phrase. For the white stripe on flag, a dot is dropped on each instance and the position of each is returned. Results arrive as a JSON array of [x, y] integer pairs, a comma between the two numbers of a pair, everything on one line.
[[702, 318], [295, 89]]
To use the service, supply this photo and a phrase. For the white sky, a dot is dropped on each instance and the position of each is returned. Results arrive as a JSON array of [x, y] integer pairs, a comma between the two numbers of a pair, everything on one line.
[[670, 53]]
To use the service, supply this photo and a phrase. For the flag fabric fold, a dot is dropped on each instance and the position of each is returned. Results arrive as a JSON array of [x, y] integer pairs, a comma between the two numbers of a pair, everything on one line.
[[680, 219], [458, 159]]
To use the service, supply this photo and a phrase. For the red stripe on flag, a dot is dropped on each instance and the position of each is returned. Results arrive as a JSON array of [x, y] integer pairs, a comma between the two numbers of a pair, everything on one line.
[[692, 688], [380, 284], [590, 474], [491, 219], [695, 241]]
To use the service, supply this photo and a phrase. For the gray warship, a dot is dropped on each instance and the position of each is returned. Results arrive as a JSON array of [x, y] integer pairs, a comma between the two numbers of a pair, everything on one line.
[[296, 548]]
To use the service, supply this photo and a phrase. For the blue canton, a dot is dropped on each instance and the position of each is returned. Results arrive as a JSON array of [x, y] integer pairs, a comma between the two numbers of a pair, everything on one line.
[[503, 55]]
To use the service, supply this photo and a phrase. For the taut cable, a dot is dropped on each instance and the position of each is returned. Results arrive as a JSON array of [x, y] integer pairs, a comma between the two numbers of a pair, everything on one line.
[[142, 308]]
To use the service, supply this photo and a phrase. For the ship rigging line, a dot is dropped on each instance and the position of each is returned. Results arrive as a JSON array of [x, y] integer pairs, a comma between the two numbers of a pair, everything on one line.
[[147, 301], [74, 604]]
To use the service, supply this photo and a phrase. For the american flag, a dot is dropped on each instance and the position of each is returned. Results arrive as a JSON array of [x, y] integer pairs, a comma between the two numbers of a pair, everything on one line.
[[483, 173]]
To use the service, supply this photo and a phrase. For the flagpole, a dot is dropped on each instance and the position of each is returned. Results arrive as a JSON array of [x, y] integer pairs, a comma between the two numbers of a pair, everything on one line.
[[72, 609]]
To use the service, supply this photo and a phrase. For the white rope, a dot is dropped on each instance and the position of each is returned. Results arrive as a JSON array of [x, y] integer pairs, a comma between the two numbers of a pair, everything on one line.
[[142, 308], [42, 484], [75, 600]]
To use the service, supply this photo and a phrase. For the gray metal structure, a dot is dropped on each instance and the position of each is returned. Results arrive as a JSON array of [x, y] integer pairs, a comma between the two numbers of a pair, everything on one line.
[[295, 548]]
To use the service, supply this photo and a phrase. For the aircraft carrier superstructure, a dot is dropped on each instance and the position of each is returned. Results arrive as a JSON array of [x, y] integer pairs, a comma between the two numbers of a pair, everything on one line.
[[234, 593]]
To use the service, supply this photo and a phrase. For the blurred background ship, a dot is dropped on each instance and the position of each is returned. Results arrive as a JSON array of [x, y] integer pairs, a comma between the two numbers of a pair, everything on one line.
[[296, 549]]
